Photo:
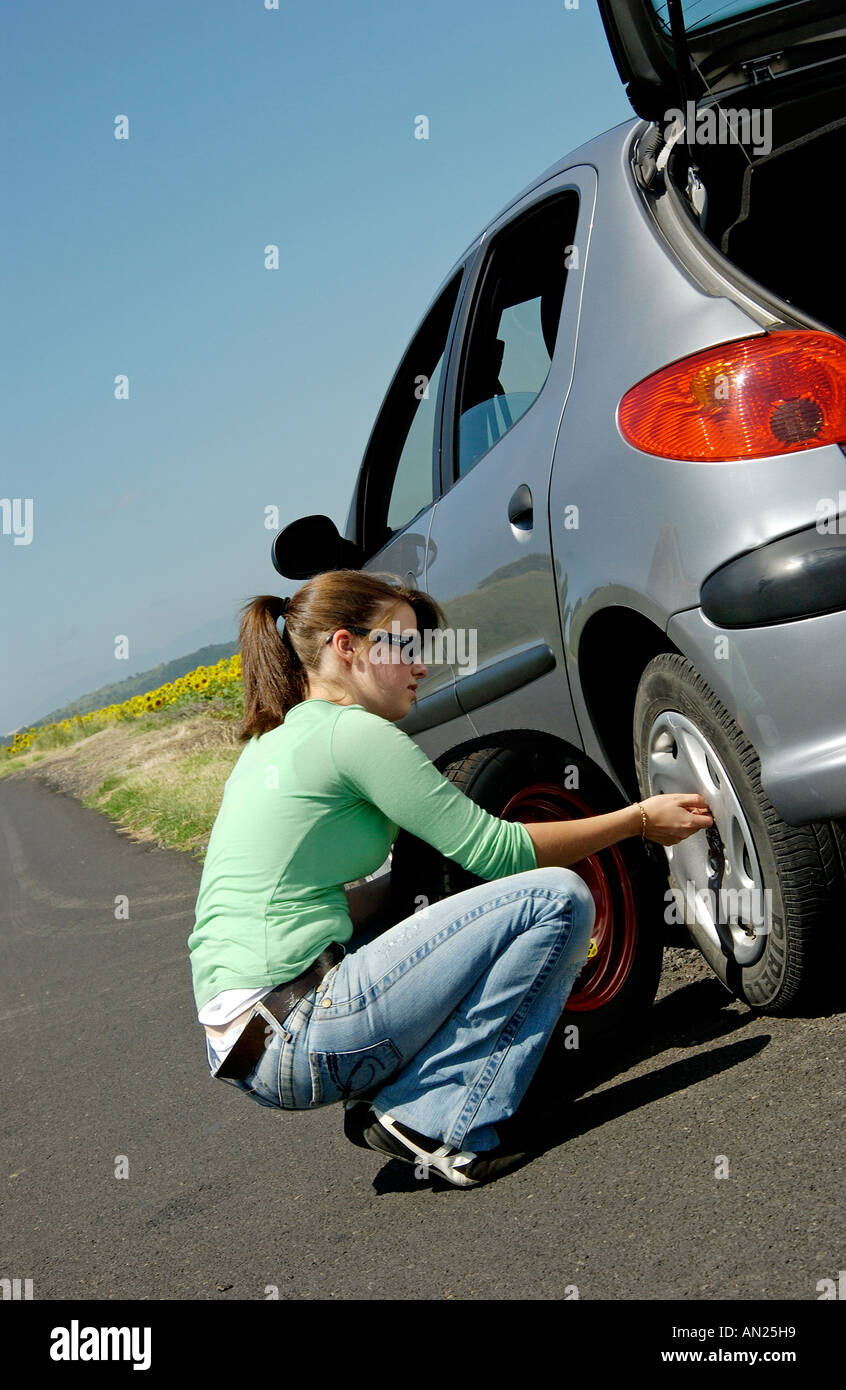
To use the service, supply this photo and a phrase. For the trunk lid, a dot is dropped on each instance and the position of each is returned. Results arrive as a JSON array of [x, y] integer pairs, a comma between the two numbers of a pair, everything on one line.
[[670, 51]]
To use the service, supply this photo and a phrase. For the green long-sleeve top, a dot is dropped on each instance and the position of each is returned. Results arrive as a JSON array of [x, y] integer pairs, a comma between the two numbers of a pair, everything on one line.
[[308, 807]]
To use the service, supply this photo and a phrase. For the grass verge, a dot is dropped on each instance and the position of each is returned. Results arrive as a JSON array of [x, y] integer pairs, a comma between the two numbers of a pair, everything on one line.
[[159, 778]]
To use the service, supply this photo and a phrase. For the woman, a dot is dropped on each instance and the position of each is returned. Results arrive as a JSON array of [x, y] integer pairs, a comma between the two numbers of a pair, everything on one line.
[[431, 1031]]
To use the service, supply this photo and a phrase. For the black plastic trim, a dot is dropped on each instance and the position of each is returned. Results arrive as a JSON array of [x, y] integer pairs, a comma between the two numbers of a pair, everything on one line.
[[431, 711], [798, 576], [503, 675]]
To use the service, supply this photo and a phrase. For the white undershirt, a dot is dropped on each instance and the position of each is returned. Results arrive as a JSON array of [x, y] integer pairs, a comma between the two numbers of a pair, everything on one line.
[[229, 1004]]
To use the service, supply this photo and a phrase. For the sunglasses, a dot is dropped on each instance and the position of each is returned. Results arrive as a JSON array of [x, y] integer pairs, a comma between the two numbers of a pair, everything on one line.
[[403, 642]]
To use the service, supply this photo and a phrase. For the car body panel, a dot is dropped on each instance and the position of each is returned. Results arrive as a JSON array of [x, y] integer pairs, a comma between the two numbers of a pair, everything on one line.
[[790, 709], [654, 558]]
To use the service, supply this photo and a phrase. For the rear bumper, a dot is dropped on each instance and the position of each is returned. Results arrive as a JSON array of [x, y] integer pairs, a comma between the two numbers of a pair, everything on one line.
[[785, 687]]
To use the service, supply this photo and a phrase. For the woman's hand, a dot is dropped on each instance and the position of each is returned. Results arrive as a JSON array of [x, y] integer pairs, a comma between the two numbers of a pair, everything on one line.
[[673, 816], [669, 819]]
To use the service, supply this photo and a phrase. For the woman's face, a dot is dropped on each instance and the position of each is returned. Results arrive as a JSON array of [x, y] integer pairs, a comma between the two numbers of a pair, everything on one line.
[[381, 676]]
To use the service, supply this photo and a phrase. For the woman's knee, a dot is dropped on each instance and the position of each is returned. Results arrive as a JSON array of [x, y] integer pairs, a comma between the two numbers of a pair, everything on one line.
[[571, 885]]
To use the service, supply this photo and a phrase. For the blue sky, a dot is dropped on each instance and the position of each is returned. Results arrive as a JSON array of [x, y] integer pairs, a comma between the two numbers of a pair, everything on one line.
[[248, 387]]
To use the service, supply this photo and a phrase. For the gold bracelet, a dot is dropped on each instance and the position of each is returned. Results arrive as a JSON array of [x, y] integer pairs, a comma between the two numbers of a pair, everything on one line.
[[643, 816]]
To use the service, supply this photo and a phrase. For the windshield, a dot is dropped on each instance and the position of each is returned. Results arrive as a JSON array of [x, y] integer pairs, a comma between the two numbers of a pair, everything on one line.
[[700, 14]]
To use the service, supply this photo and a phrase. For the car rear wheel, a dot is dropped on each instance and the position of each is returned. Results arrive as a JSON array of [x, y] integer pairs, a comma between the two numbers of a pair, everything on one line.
[[532, 777], [762, 900]]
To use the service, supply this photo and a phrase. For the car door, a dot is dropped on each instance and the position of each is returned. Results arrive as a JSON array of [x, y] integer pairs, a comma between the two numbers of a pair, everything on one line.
[[399, 481], [489, 558]]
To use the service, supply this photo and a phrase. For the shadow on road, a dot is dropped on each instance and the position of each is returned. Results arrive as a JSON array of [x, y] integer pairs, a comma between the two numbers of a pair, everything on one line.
[[556, 1108], [697, 1014]]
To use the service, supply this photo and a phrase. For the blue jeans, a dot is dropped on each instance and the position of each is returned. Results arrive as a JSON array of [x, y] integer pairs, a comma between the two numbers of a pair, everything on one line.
[[442, 1019]]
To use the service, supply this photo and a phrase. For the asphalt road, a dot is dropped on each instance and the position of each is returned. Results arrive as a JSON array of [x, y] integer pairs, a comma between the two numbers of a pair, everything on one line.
[[104, 1071]]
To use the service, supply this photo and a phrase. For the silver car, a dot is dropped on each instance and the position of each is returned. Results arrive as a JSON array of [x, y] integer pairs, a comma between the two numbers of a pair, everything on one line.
[[614, 453]]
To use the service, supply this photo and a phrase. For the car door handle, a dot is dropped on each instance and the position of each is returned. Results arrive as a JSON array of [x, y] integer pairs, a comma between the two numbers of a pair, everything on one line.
[[520, 508]]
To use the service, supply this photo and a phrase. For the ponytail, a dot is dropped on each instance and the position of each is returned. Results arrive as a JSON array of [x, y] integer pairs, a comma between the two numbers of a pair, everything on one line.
[[274, 677]]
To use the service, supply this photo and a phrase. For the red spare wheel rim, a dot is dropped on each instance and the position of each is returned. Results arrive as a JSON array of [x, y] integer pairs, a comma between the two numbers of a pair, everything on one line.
[[615, 931]]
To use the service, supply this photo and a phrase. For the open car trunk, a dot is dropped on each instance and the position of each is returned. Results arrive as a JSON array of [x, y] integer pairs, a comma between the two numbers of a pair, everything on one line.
[[780, 216], [768, 190]]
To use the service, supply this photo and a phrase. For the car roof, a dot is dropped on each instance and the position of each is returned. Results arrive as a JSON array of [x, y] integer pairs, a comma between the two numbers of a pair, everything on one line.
[[601, 150]]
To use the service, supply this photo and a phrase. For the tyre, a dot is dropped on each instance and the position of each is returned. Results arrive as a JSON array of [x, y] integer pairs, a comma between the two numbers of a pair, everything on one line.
[[533, 777], [762, 900]]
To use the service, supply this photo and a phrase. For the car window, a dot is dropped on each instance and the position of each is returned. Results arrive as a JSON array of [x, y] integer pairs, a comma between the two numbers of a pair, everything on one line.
[[514, 325], [697, 18], [400, 465], [412, 487]]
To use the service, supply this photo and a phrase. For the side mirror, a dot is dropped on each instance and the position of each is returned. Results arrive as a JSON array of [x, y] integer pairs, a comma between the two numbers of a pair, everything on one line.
[[311, 545]]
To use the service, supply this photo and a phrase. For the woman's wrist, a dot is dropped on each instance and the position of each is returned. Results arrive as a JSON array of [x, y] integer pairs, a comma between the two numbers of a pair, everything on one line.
[[638, 819], [566, 842]]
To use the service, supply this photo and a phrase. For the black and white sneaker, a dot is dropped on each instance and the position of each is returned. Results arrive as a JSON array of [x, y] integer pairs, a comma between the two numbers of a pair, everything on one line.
[[461, 1167], [357, 1117]]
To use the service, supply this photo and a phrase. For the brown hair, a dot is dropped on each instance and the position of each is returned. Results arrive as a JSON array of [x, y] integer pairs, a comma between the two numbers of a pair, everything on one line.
[[276, 665]]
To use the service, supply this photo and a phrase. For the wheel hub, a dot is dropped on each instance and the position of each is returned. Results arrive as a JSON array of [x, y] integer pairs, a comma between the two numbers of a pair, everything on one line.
[[718, 873]]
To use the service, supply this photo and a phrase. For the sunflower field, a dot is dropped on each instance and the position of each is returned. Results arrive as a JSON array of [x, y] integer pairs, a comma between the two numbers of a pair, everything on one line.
[[220, 686]]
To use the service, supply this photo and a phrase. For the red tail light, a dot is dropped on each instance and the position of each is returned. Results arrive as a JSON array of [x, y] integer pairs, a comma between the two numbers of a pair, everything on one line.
[[746, 399]]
